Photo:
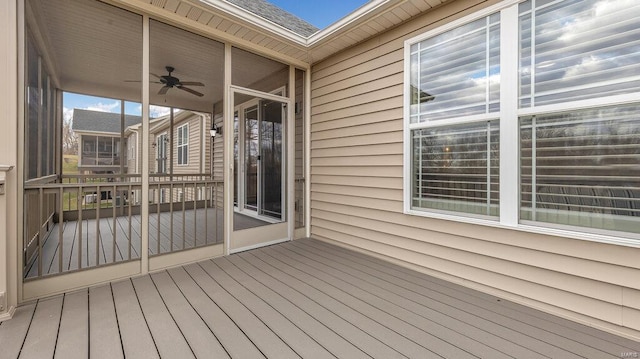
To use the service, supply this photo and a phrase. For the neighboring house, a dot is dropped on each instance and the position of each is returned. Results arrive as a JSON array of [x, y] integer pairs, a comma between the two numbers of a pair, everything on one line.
[[102, 146], [180, 146], [493, 144]]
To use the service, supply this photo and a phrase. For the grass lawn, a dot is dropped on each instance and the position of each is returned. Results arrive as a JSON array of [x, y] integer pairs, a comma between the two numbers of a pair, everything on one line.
[[70, 199], [70, 164]]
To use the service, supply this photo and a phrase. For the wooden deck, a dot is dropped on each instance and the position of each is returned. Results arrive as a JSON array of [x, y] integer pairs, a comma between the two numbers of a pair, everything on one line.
[[303, 299], [201, 227]]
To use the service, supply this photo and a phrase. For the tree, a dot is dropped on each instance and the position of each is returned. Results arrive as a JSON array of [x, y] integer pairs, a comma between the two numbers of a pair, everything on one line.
[[69, 139]]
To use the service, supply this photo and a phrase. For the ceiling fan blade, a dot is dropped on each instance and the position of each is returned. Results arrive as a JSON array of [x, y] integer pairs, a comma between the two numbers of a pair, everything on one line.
[[190, 91], [191, 83], [163, 90], [158, 77], [136, 81]]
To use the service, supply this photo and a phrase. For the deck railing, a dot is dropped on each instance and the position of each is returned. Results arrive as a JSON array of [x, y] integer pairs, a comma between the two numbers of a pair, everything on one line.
[[190, 206], [84, 221]]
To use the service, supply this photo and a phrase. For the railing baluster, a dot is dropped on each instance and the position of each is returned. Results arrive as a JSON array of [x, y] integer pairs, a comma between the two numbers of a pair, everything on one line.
[[79, 200], [215, 203], [61, 229], [97, 226], [205, 190], [195, 215], [184, 235], [40, 223], [171, 215], [129, 195], [158, 203], [114, 230]]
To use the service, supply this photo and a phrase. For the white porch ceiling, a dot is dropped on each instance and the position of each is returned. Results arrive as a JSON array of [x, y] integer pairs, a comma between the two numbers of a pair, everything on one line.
[[94, 48]]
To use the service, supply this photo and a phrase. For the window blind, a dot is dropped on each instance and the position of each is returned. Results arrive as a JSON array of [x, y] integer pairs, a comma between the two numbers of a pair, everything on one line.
[[582, 168], [456, 168], [577, 50], [456, 73]]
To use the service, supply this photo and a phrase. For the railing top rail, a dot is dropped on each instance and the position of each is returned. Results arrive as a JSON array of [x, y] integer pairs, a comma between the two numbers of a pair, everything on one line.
[[103, 175], [132, 175], [107, 185], [180, 175], [41, 180], [83, 185]]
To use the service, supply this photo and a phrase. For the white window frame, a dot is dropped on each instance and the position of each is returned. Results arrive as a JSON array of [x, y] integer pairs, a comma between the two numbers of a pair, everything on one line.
[[184, 145], [508, 117]]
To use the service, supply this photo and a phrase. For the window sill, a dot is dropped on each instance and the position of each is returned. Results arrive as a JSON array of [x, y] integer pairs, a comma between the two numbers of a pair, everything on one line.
[[528, 228]]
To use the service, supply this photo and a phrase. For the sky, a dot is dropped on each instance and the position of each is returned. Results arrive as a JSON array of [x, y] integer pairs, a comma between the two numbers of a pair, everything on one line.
[[319, 13]]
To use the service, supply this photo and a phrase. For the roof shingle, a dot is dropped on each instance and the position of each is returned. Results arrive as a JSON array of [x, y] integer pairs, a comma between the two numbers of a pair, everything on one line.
[[96, 121], [275, 14]]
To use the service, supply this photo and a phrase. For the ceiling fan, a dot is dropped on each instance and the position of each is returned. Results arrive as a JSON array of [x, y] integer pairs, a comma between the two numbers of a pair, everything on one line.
[[170, 82]]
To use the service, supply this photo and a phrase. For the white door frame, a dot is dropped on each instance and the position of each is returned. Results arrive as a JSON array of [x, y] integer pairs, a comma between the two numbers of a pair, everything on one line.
[[236, 241]]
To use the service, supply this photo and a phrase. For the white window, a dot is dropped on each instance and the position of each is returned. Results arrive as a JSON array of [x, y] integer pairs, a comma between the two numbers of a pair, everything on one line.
[[535, 103], [183, 144], [454, 94]]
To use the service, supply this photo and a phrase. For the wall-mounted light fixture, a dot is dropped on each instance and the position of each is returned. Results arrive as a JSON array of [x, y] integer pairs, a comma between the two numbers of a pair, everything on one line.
[[154, 144], [215, 130]]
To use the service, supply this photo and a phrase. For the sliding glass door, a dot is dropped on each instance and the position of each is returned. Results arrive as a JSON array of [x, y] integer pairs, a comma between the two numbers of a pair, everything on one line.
[[260, 158]]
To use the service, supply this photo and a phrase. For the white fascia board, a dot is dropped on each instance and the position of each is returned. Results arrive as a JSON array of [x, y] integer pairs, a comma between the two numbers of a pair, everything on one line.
[[343, 24], [363, 12]]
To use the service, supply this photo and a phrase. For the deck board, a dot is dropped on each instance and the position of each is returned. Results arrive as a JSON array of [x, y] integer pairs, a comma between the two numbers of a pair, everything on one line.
[[74, 327], [306, 298], [199, 337], [224, 328], [41, 338], [304, 345], [402, 337], [137, 341], [274, 292], [168, 337], [465, 321], [439, 324], [14, 331], [506, 314], [256, 330], [327, 308], [104, 333]]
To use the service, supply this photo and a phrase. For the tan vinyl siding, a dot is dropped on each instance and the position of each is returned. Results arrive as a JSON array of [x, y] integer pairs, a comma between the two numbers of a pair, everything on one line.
[[357, 198]]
